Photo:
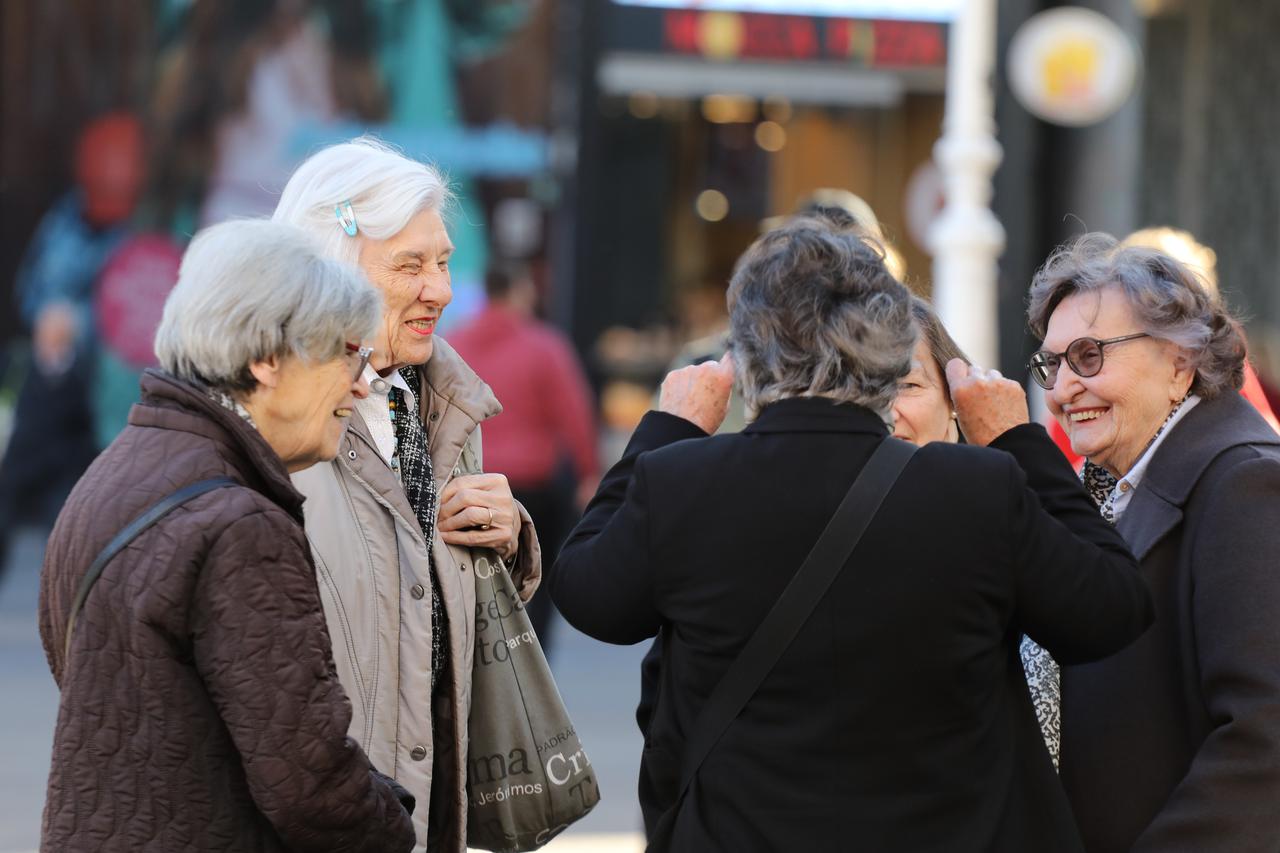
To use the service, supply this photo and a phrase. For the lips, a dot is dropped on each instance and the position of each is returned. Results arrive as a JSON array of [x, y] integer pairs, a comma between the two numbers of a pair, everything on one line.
[[421, 325], [1077, 416]]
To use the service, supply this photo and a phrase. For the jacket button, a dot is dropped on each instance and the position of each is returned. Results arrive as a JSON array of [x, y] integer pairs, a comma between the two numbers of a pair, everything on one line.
[[462, 567], [417, 591], [351, 454], [418, 753], [435, 416]]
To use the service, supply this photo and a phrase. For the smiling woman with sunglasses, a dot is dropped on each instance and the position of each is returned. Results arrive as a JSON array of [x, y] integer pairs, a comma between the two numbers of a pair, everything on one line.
[[1174, 743]]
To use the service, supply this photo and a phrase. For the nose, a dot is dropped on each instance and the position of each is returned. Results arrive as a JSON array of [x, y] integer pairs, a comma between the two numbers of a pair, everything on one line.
[[436, 290], [1066, 387], [360, 388]]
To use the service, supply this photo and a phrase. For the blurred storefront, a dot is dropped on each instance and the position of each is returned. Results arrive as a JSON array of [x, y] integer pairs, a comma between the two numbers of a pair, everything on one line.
[[700, 123], [1192, 147]]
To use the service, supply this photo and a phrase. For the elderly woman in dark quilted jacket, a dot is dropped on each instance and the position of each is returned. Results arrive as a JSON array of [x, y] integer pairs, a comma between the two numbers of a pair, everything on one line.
[[200, 707]]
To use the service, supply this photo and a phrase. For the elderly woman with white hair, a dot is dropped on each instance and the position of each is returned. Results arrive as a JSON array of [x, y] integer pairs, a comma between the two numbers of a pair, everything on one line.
[[894, 714], [1173, 744], [178, 603], [392, 518]]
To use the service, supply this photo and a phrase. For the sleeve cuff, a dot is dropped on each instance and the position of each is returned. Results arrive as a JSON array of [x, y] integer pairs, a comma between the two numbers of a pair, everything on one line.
[[525, 566]]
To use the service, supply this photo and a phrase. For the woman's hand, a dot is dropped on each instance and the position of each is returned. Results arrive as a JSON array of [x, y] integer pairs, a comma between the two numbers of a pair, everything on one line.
[[699, 393], [987, 404], [479, 511]]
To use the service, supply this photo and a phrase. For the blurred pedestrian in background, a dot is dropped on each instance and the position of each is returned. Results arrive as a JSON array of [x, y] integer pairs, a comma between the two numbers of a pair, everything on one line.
[[232, 92], [199, 708], [391, 519], [544, 442], [897, 718], [1174, 743], [52, 440]]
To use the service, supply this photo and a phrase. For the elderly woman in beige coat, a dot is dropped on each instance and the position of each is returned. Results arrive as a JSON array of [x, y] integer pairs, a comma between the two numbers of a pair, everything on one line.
[[393, 518]]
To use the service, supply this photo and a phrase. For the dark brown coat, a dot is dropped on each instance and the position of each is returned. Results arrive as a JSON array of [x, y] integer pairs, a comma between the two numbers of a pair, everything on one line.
[[1174, 743], [200, 706]]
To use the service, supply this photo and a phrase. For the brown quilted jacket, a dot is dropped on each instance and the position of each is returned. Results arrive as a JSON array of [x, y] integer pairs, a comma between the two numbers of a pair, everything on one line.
[[200, 708]]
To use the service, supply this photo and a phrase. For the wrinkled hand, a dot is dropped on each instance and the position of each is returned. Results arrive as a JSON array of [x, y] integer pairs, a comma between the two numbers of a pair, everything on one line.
[[987, 404], [479, 511], [699, 393]]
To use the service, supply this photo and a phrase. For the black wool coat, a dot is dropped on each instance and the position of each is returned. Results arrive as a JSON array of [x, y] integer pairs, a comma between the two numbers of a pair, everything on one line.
[[1174, 744], [899, 718]]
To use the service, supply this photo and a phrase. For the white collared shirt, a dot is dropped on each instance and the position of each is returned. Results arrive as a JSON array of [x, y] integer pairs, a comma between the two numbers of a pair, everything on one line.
[[1129, 482], [377, 415]]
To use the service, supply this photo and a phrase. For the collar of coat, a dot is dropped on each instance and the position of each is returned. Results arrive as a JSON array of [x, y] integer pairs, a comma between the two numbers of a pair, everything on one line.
[[170, 403], [452, 402], [1210, 429], [816, 414]]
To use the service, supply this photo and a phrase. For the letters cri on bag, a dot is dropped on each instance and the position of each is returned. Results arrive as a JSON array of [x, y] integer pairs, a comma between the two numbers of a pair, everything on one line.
[[561, 770]]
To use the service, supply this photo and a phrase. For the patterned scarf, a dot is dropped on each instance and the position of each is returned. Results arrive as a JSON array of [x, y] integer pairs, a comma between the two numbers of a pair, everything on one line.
[[412, 461], [1101, 483], [1043, 673], [229, 403]]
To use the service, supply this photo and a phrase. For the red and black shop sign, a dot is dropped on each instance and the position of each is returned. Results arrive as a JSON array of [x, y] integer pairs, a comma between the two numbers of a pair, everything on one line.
[[728, 36]]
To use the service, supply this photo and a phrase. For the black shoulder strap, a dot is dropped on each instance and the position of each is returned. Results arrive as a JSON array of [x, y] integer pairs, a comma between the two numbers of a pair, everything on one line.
[[158, 511], [801, 596]]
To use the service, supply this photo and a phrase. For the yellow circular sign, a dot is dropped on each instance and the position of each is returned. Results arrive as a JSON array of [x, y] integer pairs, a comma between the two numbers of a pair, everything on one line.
[[1072, 66]]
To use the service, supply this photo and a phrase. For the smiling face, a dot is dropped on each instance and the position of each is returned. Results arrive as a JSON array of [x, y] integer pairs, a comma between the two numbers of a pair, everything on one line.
[[412, 271], [1111, 417], [301, 408], [922, 409]]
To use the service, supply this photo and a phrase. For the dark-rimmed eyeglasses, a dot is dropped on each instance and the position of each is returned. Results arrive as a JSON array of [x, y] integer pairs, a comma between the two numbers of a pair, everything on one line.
[[360, 353], [1083, 355]]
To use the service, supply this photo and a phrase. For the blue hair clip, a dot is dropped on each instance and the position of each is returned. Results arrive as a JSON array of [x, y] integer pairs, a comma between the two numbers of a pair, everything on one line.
[[347, 218]]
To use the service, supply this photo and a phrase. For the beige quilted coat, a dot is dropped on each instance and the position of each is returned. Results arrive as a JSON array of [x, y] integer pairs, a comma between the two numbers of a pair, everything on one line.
[[371, 562]]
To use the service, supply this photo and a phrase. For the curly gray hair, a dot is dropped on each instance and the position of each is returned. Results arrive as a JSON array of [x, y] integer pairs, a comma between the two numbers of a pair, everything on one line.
[[813, 312], [1169, 300]]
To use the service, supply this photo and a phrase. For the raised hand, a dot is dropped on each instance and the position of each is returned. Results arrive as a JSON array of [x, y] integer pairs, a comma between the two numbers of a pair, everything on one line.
[[987, 405], [699, 393]]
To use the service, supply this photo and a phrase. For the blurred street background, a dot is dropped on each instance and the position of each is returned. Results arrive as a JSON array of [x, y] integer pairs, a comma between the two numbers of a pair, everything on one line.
[[616, 156]]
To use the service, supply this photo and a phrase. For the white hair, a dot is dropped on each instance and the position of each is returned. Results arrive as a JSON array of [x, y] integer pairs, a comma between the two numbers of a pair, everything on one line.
[[384, 188], [250, 289]]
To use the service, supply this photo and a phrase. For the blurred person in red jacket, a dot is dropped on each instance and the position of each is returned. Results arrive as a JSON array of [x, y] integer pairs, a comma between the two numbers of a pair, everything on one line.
[[1187, 249], [544, 441]]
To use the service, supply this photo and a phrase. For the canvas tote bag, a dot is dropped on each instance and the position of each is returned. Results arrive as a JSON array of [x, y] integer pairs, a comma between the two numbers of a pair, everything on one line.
[[528, 777]]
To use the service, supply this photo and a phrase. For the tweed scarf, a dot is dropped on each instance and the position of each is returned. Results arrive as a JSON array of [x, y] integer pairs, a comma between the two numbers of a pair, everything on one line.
[[412, 461], [1101, 483], [1044, 677]]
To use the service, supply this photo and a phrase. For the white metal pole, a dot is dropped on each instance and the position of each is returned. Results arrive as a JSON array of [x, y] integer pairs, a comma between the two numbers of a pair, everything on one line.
[[967, 238]]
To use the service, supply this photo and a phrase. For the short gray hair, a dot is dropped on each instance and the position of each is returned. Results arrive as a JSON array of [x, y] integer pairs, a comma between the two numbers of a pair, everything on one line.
[[814, 312], [385, 188], [251, 289], [1168, 298]]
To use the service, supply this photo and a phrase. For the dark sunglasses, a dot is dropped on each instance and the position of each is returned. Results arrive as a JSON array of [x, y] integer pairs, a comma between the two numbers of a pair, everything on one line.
[[1083, 355], [363, 353]]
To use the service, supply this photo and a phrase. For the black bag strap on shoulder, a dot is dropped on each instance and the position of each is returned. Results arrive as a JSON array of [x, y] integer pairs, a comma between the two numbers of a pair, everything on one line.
[[122, 539], [776, 633]]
